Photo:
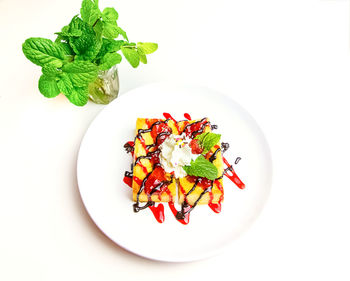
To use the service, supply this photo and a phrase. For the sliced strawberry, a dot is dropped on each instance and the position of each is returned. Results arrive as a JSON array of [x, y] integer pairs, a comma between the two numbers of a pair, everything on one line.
[[204, 183], [154, 179], [159, 128], [195, 147]]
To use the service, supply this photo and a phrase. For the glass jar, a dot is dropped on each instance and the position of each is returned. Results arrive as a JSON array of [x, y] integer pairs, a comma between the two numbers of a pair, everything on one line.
[[106, 87]]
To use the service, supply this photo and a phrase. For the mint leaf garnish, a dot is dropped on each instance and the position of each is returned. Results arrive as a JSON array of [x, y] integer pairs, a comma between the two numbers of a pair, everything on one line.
[[201, 137], [202, 167], [208, 140], [48, 86], [42, 51]]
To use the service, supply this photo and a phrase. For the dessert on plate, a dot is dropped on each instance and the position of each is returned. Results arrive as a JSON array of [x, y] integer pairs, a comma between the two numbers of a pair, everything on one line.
[[150, 182], [177, 161]]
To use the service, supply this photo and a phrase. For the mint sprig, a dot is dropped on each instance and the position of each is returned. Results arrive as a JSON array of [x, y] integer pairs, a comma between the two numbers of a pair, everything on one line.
[[202, 167], [207, 141], [87, 45]]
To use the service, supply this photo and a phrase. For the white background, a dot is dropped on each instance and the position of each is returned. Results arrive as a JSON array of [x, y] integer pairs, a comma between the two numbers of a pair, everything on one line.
[[286, 62]]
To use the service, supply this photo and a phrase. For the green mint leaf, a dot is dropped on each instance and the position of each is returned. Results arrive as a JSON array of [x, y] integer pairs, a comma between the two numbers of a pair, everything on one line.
[[79, 96], [48, 86], [110, 15], [109, 60], [87, 45], [67, 50], [70, 31], [201, 137], [122, 33], [51, 71], [208, 140], [61, 38], [65, 85], [131, 55], [147, 48], [110, 30], [89, 11], [109, 46], [202, 167], [42, 51], [81, 72], [142, 55], [76, 95], [98, 28], [130, 44]]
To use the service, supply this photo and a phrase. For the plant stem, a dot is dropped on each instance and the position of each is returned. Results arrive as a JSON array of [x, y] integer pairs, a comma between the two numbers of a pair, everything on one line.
[[96, 22]]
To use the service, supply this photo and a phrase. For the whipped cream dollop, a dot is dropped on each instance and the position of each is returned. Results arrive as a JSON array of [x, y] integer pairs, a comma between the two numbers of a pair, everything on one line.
[[176, 153]]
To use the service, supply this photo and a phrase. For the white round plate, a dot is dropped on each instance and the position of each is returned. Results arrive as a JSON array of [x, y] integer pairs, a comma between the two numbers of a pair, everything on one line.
[[102, 162]]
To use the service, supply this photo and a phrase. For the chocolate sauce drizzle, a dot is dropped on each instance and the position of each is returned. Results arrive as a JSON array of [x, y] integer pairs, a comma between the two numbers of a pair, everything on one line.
[[129, 148], [142, 131], [149, 156], [186, 208], [229, 168], [224, 146], [199, 131], [128, 174], [213, 157], [160, 136], [160, 186]]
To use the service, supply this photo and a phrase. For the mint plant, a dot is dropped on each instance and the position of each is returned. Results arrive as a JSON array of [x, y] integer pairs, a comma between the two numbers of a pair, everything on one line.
[[87, 45]]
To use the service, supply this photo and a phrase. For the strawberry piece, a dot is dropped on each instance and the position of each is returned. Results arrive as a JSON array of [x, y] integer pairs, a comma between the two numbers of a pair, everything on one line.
[[154, 179], [195, 147], [159, 128]]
